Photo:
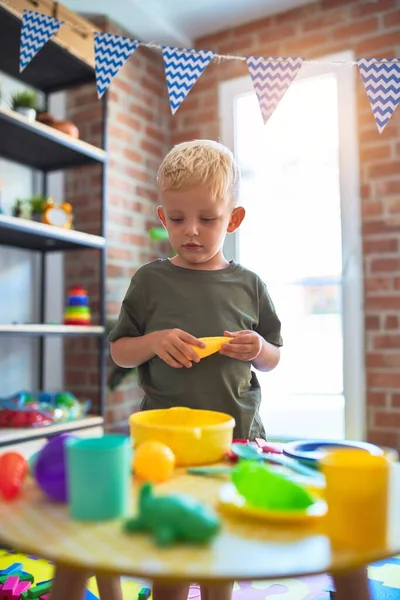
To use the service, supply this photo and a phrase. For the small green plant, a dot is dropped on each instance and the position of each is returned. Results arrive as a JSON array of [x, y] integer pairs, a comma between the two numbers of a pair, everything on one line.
[[25, 99], [37, 203], [29, 207]]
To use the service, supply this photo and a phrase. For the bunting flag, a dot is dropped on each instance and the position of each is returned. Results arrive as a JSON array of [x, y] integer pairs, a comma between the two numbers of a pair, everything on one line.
[[271, 78], [381, 78], [111, 52], [36, 30], [182, 69]]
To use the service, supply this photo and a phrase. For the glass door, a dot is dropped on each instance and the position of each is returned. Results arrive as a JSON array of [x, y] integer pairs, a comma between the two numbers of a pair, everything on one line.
[[293, 192]]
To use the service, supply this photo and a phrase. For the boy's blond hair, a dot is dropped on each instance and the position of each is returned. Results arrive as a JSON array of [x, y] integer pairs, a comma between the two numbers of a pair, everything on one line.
[[200, 163]]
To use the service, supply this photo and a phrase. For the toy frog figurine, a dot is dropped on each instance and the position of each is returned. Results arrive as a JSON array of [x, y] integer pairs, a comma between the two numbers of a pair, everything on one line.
[[174, 518]]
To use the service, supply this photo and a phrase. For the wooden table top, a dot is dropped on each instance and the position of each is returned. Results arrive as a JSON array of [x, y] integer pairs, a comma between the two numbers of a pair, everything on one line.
[[244, 550]]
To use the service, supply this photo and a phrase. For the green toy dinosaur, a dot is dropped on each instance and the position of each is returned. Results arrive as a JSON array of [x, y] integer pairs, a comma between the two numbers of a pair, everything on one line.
[[175, 518]]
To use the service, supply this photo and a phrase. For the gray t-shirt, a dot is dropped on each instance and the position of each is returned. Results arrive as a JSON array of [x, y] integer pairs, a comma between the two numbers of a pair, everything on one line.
[[203, 303]]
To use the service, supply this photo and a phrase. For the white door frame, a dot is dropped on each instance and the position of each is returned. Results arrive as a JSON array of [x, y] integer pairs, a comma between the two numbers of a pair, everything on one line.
[[352, 276]]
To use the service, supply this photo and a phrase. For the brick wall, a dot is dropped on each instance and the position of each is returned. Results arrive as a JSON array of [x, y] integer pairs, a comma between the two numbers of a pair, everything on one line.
[[370, 29], [138, 135], [139, 128]]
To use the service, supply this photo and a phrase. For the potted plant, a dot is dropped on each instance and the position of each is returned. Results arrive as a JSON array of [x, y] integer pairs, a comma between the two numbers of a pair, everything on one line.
[[32, 208], [25, 103], [37, 204]]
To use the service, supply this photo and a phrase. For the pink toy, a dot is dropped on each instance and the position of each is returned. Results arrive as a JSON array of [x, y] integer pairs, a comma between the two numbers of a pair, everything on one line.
[[22, 587], [9, 587]]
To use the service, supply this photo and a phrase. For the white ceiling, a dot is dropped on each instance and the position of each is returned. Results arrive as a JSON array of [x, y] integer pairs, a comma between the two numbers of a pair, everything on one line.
[[179, 22]]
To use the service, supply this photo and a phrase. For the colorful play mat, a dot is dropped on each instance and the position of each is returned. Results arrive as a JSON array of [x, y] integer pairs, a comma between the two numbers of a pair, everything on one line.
[[384, 580]]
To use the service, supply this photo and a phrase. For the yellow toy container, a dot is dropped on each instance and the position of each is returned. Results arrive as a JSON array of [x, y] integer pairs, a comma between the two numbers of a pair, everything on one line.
[[196, 437]]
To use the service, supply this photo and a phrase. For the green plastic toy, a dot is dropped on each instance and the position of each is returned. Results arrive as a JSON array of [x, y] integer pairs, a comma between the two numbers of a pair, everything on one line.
[[171, 519], [262, 488]]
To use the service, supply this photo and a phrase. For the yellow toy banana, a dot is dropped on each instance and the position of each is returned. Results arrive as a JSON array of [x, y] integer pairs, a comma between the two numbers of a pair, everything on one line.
[[213, 345]]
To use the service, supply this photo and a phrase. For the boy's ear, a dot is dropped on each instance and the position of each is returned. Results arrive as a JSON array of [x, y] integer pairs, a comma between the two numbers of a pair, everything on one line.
[[237, 216], [161, 215]]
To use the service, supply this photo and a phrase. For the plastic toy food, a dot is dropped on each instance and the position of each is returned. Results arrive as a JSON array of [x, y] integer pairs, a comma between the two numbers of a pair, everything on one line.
[[39, 409], [153, 461], [174, 518], [213, 345], [13, 470], [50, 468], [262, 488]]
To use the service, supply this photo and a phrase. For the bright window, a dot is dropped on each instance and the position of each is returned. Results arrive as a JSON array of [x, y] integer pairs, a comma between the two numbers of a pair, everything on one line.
[[296, 238]]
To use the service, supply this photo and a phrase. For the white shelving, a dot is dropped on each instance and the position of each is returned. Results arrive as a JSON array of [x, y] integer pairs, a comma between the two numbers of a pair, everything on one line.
[[44, 329]]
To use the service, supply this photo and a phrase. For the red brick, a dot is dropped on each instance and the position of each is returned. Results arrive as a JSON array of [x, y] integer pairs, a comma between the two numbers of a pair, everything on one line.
[[384, 169], [380, 227], [393, 206], [390, 419], [119, 253], [392, 19], [383, 438], [152, 148], [380, 245], [378, 284], [374, 45], [372, 208], [329, 4], [120, 133], [333, 18], [377, 399], [375, 152], [389, 187], [383, 302], [183, 136], [309, 44], [143, 192], [385, 265], [297, 14], [386, 342], [372, 322], [395, 400], [368, 8], [384, 380], [128, 121], [384, 361], [133, 156], [284, 32], [356, 28], [391, 322], [142, 112]]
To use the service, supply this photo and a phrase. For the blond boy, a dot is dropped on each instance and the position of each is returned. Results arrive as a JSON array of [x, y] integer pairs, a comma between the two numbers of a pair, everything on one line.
[[171, 303]]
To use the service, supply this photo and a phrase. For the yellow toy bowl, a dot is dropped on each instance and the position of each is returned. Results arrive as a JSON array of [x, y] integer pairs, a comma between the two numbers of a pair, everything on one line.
[[196, 437]]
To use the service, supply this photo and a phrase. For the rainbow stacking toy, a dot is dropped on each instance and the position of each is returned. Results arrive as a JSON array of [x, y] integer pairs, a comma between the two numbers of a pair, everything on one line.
[[77, 311]]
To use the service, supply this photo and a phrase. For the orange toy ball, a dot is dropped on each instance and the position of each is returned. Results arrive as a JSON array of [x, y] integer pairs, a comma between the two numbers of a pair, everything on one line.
[[153, 461]]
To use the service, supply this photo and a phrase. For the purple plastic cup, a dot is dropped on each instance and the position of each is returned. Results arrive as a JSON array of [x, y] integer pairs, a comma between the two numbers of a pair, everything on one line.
[[50, 468]]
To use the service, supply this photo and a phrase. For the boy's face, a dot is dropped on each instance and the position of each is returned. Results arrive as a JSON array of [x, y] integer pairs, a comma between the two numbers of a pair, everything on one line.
[[197, 225]]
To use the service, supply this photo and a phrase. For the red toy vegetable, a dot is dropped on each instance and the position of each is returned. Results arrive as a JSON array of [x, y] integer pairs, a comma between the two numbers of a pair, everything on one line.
[[13, 470]]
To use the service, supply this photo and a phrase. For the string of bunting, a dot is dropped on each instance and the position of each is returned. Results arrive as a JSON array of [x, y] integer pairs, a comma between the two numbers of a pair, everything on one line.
[[271, 76]]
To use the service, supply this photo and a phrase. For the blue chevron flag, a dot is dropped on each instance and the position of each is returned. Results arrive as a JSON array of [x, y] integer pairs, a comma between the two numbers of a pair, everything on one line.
[[36, 30], [381, 78], [111, 52], [271, 79], [183, 68]]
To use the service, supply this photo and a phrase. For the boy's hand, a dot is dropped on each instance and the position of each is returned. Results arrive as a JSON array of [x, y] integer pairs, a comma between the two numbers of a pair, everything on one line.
[[172, 346], [245, 345]]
